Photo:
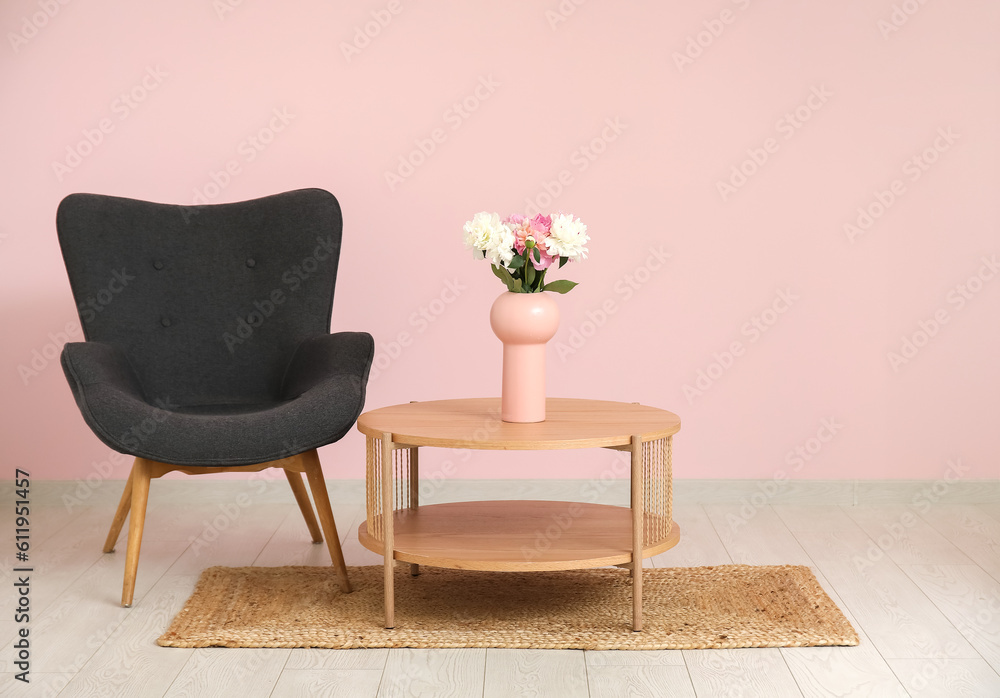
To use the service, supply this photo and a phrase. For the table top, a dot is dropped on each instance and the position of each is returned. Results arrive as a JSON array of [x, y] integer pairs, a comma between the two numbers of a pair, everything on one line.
[[475, 423]]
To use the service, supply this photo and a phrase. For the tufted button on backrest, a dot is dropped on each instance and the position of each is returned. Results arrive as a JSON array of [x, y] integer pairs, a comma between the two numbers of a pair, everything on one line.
[[165, 321], [251, 263], [158, 265]]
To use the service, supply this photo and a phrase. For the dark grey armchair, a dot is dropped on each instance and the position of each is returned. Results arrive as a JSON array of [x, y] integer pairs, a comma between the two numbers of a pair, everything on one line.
[[207, 343]]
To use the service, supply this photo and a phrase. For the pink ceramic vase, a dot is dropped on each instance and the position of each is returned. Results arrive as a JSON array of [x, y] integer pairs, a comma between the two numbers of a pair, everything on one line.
[[524, 322]]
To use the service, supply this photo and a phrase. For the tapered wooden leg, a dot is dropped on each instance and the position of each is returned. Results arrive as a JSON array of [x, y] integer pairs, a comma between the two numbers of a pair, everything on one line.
[[140, 493], [302, 497], [388, 542], [116, 525], [317, 483], [637, 516]]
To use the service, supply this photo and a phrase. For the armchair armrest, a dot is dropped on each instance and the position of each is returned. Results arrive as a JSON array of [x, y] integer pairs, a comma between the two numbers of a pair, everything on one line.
[[321, 357], [90, 363], [105, 389]]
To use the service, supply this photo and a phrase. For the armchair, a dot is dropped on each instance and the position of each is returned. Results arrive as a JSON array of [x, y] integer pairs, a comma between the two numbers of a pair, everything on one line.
[[207, 343]]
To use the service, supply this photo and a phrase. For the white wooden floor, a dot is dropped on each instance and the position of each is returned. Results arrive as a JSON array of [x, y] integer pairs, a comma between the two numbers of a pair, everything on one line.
[[927, 607]]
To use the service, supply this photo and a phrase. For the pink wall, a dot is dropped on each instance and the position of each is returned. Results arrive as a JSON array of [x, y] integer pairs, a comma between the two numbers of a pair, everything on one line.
[[836, 102]]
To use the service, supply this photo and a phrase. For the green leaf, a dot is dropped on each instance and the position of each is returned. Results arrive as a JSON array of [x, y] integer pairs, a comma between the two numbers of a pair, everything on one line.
[[537, 255], [517, 288], [504, 275], [496, 272], [560, 286], [562, 261], [529, 275], [517, 262]]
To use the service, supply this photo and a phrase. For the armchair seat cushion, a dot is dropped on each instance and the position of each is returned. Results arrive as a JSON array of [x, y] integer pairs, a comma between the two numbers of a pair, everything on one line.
[[324, 393]]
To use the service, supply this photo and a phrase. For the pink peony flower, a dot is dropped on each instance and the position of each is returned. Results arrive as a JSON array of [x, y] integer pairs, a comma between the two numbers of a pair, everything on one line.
[[541, 224], [537, 229]]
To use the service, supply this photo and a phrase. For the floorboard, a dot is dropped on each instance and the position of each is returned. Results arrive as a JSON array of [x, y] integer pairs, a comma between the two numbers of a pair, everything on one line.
[[554, 673], [222, 673], [953, 678], [744, 673], [640, 681], [130, 664], [596, 658], [905, 537], [970, 599], [971, 529], [449, 673], [329, 660], [328, 683], [755, 536]]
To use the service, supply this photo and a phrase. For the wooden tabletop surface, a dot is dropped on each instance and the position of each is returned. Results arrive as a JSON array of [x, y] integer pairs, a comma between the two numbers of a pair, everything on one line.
[[475, 423]]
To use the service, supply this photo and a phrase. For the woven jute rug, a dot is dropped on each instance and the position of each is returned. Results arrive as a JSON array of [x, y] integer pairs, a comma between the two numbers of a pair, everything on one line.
[[683, 608]]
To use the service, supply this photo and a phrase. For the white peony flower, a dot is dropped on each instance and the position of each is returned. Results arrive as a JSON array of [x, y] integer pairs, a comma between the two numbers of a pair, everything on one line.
[[567, 237], [486, 233]]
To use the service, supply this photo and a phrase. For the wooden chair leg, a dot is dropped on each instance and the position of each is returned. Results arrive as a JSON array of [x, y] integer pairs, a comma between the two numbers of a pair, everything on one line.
[[141, 470], [123, 507], [317, 483], [302, 497]]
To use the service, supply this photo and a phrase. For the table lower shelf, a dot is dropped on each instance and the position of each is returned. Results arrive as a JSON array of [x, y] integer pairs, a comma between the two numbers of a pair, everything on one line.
[[513, 535]]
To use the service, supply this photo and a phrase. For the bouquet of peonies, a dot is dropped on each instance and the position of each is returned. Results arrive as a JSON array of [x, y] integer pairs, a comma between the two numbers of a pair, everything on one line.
[[521, 249]]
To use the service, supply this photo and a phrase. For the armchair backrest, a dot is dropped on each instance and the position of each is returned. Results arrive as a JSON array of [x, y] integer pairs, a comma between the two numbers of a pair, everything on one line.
[[208, 303]]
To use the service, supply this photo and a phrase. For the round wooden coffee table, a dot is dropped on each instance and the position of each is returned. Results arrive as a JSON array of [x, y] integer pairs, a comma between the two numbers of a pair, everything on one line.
[[505, 535]]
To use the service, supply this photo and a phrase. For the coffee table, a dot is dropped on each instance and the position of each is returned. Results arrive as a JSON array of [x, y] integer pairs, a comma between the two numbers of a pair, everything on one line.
[[516, 535]]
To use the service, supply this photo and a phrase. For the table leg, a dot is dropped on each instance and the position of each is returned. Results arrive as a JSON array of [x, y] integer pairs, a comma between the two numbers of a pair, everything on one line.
[[414, 492], [637, 517], [388, 551]]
